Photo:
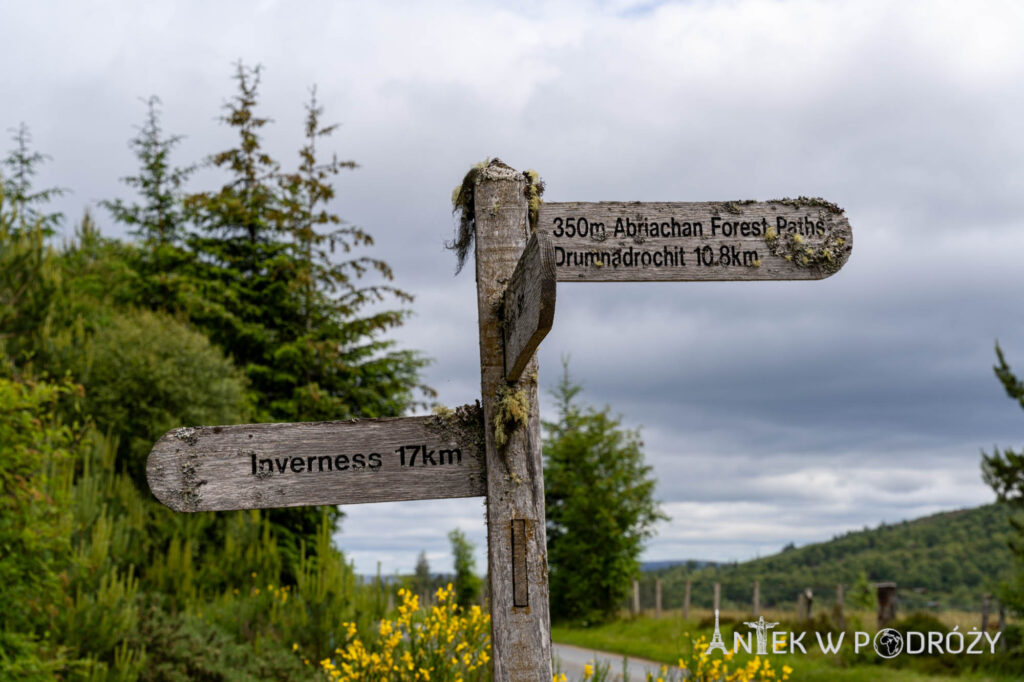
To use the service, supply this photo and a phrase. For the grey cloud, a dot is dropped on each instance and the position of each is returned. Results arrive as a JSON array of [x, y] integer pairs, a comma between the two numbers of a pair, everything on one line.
[[875, 383]]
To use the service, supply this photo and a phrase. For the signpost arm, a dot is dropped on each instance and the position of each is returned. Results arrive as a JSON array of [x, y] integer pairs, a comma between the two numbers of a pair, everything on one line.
[[516, 538]]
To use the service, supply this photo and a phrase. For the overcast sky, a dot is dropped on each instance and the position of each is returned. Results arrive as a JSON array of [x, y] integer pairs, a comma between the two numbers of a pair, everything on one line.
[[772, 412]]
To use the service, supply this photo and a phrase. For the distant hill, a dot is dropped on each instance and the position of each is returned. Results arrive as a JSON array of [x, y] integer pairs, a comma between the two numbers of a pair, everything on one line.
[[649, 566], [947, 560]]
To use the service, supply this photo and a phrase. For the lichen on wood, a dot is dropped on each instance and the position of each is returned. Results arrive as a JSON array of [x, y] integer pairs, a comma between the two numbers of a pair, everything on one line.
[[534, 192], [511, 413], [827, 257], [464, 424], [187, 434], [736, 207], [808, 202]]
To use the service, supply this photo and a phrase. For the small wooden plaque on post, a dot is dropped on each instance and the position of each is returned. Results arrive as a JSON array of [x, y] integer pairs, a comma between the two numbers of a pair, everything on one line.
[[529, 305]]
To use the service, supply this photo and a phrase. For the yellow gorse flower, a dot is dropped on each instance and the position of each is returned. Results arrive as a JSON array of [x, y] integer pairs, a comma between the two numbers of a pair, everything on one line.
[[699, 667], [443, 644]]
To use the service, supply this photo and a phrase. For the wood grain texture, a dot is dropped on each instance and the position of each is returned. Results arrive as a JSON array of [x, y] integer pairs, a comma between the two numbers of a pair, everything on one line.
[[520, 636], [529, 305], [259, 466], [622, 241]]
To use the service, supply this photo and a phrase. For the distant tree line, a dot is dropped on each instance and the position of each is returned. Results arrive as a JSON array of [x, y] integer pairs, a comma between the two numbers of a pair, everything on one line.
[[948, 560]]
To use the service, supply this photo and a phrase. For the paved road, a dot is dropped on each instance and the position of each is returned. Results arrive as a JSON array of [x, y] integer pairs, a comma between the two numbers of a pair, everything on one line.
[[573, 658]]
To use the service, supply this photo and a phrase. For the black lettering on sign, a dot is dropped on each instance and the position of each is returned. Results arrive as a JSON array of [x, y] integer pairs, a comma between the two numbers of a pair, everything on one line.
[[453, 456], [405, 456], [624, 241], [266, 466]]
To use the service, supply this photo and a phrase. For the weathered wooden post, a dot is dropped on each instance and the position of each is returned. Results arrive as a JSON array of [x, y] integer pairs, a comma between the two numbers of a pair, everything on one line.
[[838, 611], [887, 603], [657, 598], [636, 597], [718, 596], [379, 589], [1002, 625], [757, 598], [986, 607], [801, 606], [516, 534], [686, 599]]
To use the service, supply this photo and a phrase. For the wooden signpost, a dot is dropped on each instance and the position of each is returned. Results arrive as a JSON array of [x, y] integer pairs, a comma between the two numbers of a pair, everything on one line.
[[494, 449], [621, 241], [259, 466]]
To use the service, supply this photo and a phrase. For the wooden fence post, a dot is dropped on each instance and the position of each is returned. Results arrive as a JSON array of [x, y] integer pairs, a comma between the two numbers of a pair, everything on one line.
[[757, 598], [838, 612], [718, 595], [636, 597], [657, 598], [516, 536], [986, 605], [686, 600], [887, 603]]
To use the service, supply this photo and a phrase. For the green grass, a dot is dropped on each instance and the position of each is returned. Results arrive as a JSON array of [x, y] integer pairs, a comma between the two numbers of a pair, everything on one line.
[[665, 639]]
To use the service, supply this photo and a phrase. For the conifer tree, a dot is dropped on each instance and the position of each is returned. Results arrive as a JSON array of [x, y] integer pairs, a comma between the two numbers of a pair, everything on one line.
[[422, 579], [1003, 471], [467, 582], [271, 295], [23, 204], [240, 258], [333, 364], [157, 218], [600, 503]]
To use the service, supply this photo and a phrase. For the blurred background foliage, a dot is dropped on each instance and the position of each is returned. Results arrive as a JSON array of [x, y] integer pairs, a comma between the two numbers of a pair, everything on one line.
[[248, 301]]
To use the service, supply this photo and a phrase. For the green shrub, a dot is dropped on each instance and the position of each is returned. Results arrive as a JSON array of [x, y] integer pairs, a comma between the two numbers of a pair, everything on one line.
[[146, 373], [35, 529], [189, 648]]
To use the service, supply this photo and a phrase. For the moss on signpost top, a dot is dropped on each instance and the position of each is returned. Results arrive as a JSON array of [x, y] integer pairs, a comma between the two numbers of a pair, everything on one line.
[[464, 195]]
